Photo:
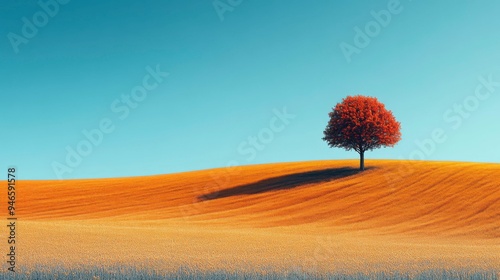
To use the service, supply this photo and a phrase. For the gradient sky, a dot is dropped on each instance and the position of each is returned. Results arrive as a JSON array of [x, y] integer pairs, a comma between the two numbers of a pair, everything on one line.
[[227, 76]]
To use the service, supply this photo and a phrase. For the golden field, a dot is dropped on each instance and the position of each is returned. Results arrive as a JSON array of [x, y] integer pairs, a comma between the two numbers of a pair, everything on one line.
[[317, 216]]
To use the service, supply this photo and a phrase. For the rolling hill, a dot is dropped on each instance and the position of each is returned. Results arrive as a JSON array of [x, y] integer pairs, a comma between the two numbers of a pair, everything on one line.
[[307, 216]]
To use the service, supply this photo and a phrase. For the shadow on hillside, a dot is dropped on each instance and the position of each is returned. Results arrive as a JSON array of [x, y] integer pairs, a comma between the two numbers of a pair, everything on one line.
[[283, 182]]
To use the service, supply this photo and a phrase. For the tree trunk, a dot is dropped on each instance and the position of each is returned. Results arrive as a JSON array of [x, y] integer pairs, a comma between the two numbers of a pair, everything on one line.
[[362, 161]]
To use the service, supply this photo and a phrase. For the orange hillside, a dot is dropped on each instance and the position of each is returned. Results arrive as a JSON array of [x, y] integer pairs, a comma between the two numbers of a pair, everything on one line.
[[421, 197], [394, 207]]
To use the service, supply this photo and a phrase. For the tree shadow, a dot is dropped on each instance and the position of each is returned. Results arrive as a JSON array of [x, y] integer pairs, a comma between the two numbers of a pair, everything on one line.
[[284, 182]]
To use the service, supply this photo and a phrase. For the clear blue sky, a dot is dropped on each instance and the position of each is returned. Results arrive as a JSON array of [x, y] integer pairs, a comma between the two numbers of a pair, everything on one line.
[[228, 71]]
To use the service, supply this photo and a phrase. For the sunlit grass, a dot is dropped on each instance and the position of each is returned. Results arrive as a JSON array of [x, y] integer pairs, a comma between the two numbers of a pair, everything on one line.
[[186, 273]]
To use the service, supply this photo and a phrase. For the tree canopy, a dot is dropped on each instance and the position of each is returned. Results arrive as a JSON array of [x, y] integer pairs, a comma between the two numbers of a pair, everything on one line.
[[361, 123]]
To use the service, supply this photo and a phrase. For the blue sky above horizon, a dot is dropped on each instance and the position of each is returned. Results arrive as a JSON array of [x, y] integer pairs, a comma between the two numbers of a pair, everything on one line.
[[228, 77]]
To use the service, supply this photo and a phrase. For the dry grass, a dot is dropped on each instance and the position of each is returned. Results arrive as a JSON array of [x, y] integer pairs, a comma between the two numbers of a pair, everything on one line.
[[320, 216]]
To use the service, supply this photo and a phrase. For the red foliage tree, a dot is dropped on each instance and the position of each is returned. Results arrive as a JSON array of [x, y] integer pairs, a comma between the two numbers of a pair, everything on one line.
[[361, 123]]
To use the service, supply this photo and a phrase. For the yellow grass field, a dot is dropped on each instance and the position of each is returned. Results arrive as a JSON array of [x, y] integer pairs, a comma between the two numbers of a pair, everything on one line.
[[317, 216]]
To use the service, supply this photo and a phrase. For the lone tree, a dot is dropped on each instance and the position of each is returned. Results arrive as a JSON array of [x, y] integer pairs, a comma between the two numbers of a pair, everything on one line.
[[361, 123]]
